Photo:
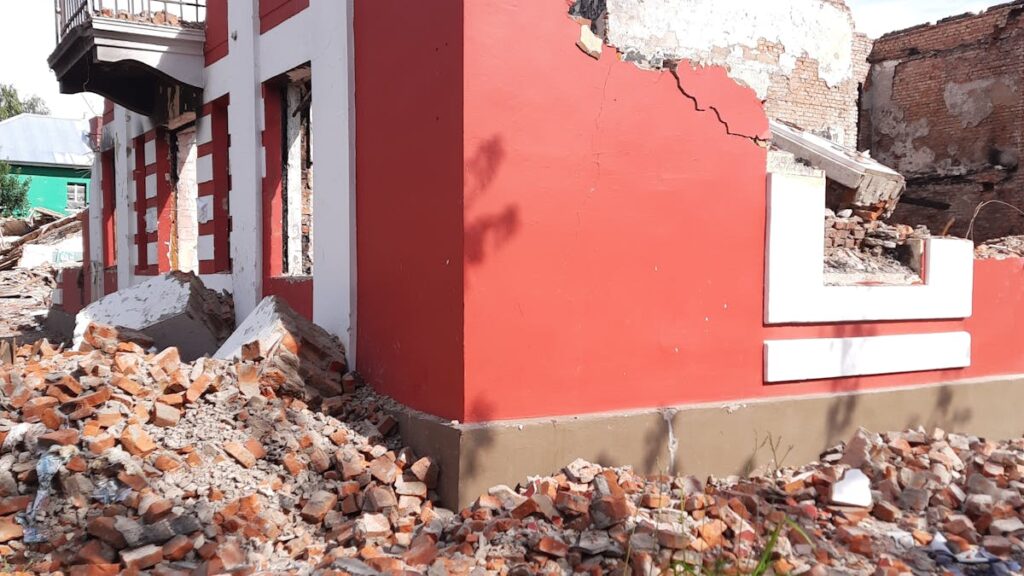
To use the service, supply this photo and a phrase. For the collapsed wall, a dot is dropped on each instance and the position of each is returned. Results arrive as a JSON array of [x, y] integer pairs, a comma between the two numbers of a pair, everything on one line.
[[802, 58], [943, 106], [174, 309]]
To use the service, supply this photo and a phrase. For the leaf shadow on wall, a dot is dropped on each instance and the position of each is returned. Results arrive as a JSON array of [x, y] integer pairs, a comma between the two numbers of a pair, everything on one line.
[[486, 232]]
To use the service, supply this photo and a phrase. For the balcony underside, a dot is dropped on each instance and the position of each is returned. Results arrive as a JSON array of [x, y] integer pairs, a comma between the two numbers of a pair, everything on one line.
[[136, 65]]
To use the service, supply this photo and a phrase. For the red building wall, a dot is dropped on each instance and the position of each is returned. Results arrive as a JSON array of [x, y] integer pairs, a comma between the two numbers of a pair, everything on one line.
[[542, 234], [614, 233], [409, 172], [274, 12], [217, 45]]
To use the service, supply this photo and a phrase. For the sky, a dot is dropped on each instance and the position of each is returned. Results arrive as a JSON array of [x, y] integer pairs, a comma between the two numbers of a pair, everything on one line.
[[27, 38], [876, 17]]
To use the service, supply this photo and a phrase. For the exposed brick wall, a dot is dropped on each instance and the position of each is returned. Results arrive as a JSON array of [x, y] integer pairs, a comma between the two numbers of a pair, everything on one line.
[[944, 106], [803, 58], [806, 100], [960, 30]]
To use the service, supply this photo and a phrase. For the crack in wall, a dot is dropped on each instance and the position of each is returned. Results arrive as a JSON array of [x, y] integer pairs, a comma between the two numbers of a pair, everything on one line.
[[770, 53], [697, 106]]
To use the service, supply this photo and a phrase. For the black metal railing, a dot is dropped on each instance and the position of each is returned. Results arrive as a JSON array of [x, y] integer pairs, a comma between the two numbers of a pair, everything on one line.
[[72, 13]]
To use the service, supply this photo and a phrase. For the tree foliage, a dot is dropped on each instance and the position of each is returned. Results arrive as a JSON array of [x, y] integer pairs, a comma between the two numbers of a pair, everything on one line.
[[12, 104], [13, 192]]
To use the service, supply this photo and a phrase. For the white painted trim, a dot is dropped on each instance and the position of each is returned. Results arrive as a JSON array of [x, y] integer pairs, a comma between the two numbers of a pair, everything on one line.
[[124, 189], [151, 186], [290, 43], [151, 220], [187, 223], [151, 258], [204, 209], [95, 215], [138, 125], [333, 149], [205, 248], [218, 282], [795, 290], [820, 358], [150, 148], [241, 76], [204, 130], [204, 169], [217, 79]]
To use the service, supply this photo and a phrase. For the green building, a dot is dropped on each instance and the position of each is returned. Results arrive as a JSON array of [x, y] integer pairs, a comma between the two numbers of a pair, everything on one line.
[[55, 153]]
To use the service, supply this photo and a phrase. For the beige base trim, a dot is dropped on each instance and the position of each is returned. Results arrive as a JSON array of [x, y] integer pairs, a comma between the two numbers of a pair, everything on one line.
[[719, 439]]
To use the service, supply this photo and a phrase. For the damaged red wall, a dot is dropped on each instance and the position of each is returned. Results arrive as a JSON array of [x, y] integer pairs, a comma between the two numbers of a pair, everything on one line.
[[596, 245], [591, 206]]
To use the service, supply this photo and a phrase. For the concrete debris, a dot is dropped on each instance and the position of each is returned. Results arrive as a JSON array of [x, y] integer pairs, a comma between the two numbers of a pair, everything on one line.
[[130, 460], [859, 251], [853, 489], [60, 233], [857, 182], [1001, 248], [276, 333], [25, 299], [174, 309], [56, 251]]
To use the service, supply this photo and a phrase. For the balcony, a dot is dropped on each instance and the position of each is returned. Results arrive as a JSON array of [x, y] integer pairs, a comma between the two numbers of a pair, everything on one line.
[[146, 55]]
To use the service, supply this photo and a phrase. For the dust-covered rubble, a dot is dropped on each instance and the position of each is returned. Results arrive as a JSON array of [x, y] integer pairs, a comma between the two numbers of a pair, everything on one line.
[[121, 458]]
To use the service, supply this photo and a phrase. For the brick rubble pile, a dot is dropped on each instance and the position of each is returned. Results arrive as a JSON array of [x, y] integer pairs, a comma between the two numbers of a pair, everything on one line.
[[1001, 248], [847, 230], [115, 458], [120, 459]]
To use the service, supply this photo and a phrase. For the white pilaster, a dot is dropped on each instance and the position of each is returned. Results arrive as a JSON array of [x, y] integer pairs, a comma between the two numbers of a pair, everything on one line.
[[243, 120], [124, 167], [95, 215], [333, 135]]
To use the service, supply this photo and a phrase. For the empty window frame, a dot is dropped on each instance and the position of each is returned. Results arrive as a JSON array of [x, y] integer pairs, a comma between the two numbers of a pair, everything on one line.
[[76, 196], [297, 172]]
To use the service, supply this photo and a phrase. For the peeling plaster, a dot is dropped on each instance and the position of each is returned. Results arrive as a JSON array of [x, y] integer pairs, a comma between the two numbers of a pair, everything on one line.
[[653, 32], [973, 102], [889, 119]]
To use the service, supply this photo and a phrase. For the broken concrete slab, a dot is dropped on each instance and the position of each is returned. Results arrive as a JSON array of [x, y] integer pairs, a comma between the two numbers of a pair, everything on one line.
[[290, 342], [869, 186], [175, 309]]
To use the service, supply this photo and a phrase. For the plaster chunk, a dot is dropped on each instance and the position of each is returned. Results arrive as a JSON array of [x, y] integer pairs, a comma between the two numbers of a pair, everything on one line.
[[590, 43], [973, 102]]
